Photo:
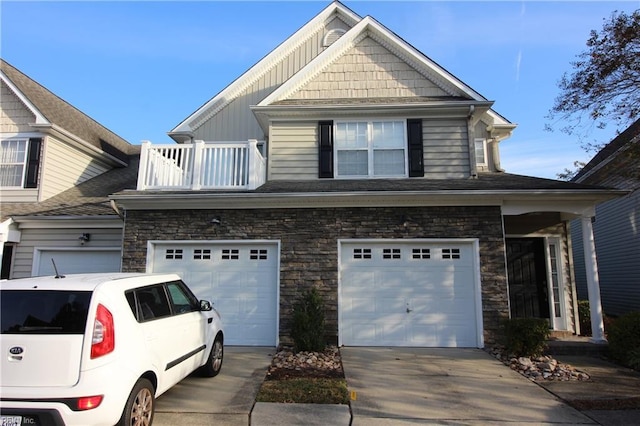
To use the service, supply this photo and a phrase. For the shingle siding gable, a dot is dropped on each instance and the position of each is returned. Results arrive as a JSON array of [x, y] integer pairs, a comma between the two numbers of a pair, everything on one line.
[[368, 70]]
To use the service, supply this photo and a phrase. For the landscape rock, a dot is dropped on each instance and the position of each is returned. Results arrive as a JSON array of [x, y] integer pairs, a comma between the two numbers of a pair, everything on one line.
[[539, 368]]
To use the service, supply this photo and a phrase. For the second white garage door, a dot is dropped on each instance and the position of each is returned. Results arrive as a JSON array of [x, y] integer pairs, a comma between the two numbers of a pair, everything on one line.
[[241, 279], [410, 293]]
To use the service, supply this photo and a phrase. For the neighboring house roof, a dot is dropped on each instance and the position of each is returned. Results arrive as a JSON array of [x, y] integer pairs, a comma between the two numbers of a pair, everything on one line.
[[89, 198], [617, 164], [50, 110]]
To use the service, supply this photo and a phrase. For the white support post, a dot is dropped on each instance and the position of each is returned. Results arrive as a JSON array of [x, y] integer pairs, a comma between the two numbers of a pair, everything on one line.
[[593, 281], [198, 151], [251, 167], [143, 167]]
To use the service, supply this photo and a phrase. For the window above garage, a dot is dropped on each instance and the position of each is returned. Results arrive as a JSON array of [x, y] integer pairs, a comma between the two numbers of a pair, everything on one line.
[[370, 149]]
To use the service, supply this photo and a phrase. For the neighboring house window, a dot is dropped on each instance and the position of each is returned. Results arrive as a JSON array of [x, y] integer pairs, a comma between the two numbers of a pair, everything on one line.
[[370, 148], [19, 161], [481, 152]]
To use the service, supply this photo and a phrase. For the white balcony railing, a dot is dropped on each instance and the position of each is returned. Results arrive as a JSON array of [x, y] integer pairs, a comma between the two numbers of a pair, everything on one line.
[[201, 165]]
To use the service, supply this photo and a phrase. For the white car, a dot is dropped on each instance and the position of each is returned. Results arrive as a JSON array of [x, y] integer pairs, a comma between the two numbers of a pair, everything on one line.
[[97, 349]]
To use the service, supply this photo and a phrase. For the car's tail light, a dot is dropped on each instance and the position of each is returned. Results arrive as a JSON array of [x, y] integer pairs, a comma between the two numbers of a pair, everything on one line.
[[104, 338], [89, 402]]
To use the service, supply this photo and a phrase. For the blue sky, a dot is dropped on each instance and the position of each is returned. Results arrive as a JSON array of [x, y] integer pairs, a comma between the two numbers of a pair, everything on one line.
[[140, 68]]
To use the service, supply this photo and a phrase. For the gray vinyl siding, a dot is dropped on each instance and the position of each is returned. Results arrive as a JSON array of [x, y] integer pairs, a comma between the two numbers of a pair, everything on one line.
[[14, 115], [617, 241], [235, 121], [64, 167], [368, 70], [446, 148], [33, 238], [293, 151]]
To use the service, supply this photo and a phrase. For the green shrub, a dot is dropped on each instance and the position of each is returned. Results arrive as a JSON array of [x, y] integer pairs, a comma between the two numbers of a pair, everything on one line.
[[584, 316], [526, 336], [624, 339], [308, 323]]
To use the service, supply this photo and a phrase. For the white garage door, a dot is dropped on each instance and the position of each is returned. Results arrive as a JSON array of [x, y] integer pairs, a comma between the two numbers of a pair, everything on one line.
[[241, 279], [398, 293], [76, 261]]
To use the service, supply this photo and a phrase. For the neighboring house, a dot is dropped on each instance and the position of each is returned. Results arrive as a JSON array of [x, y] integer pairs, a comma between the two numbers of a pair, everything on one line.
[[617, 225], [347, 160], [57, 167]]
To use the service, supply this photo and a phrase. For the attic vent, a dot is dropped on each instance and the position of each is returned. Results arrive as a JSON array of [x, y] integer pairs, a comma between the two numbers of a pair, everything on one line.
[[332, 36]]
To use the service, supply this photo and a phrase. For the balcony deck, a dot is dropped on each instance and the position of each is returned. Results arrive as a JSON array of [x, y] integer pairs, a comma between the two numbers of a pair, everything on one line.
[[201, 165]]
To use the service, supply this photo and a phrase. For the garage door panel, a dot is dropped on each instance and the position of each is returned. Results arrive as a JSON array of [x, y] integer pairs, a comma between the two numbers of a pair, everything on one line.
[[417, 294], [78, 261], [239, 279]]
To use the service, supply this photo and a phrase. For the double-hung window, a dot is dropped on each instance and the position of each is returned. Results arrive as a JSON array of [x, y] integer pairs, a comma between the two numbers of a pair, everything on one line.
[[481, 152], [370, 149], [19, 160]]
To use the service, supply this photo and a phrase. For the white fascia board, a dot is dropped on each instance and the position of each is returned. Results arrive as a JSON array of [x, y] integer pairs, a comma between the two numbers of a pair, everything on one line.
[[68, 222], [440, 109], [531, 198], [40, 118], [370, 27], [78, 143], [9, 232], [233, 90]]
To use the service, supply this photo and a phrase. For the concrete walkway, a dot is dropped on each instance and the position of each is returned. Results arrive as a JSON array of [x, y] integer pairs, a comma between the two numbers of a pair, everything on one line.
[[402, 386]]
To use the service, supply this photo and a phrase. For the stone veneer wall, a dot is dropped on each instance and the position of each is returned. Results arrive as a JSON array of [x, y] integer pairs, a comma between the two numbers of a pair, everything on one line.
[[309, 248]]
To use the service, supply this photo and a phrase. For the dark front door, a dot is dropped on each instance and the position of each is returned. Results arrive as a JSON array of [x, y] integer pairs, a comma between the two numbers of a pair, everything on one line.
[[527, 273]]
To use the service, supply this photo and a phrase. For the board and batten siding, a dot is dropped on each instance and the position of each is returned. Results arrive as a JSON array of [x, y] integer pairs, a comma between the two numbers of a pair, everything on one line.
[[368, 70], [65, 167], [14, 115], [616, 236], [293, 151], [446, 148], [236, 121], [43, 238]]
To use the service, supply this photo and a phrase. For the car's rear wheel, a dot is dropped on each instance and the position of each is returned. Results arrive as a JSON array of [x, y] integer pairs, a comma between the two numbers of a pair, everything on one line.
[[214, 362], [140, 406]]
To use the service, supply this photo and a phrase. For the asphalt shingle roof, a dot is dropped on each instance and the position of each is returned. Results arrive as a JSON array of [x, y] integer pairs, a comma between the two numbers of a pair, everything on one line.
[[66, 116], [89, 198]]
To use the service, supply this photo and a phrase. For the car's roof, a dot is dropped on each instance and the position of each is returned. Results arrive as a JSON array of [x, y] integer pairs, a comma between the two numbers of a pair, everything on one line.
[[84, 281]]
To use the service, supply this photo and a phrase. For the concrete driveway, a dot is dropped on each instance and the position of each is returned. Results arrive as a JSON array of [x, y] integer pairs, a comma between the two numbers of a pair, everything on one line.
[[401, 386], [223, 400]]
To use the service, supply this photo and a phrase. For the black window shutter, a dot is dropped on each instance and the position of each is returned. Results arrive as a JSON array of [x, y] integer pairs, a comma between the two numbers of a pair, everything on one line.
[[325, 131], [416, 149], [33, 163]]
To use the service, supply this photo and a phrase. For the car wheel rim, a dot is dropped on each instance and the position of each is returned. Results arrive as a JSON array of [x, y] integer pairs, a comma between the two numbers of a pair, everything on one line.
[[217, 355], [142, 409]]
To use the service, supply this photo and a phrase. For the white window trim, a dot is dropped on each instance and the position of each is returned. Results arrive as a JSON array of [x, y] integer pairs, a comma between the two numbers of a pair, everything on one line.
[[370, 150], [485, 163], [24, 162], [558, 323]]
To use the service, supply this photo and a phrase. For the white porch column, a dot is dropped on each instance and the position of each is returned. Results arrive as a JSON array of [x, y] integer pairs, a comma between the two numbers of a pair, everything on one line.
[[593, 281]]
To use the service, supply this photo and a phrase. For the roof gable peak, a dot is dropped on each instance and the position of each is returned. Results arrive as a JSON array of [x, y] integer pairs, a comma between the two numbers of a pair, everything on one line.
[[335, 10]]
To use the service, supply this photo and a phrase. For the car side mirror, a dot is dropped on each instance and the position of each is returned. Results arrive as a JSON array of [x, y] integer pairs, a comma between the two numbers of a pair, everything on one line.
[[205, 305]]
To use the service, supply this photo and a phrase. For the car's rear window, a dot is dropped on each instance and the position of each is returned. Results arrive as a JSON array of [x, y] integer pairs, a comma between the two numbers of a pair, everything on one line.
[[44, 311]]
